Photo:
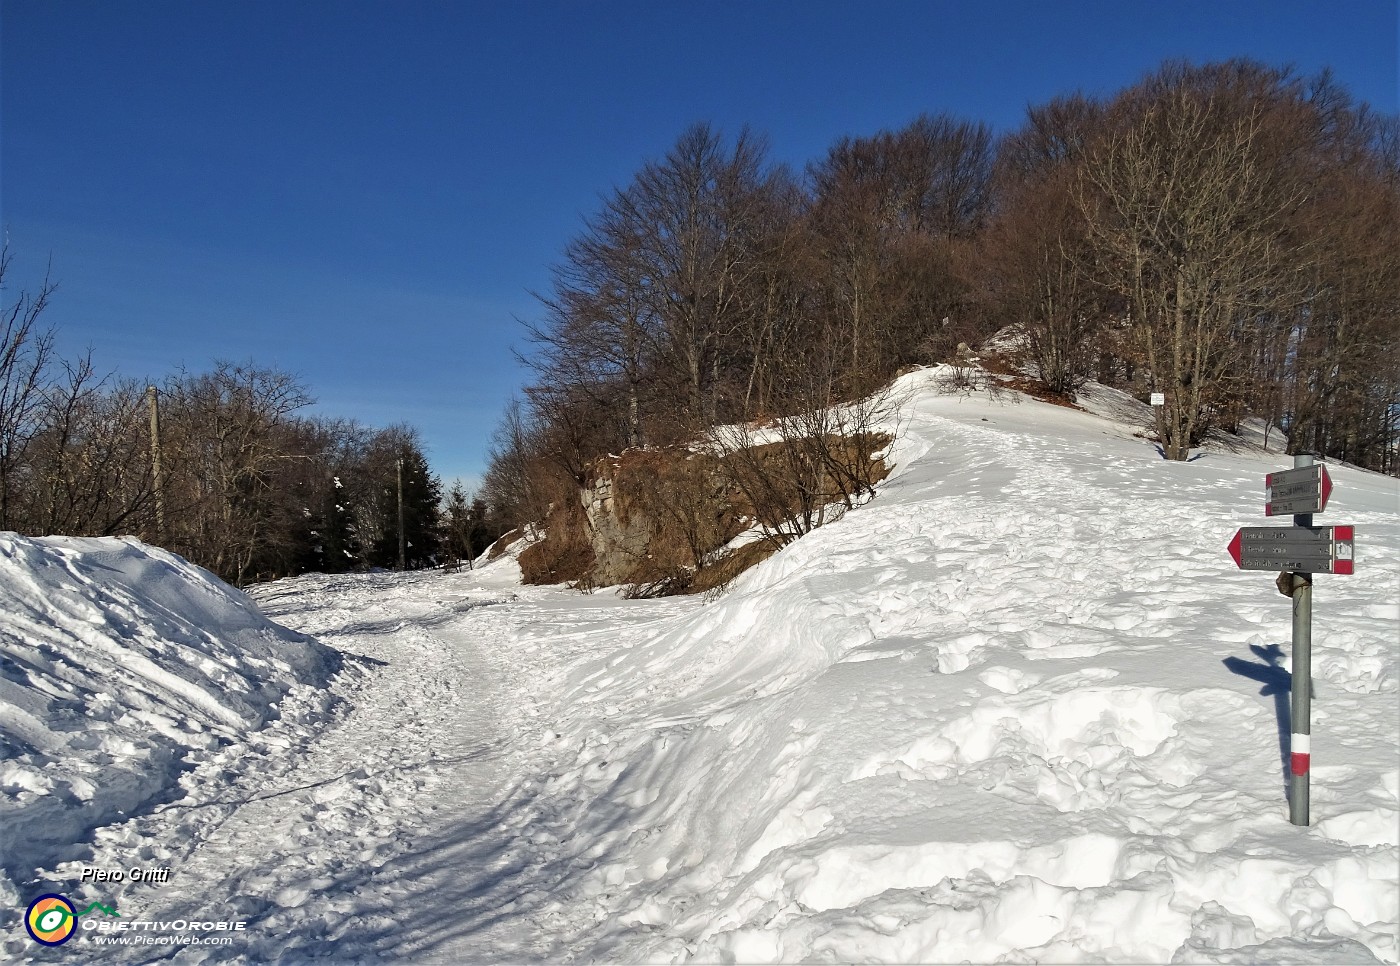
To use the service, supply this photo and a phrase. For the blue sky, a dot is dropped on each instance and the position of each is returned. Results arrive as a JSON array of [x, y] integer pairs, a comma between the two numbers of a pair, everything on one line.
[[365, 194]]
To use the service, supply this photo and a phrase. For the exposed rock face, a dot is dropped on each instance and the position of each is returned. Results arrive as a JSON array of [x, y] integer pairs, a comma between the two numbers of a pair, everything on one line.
[[661, 520], [620, 541]]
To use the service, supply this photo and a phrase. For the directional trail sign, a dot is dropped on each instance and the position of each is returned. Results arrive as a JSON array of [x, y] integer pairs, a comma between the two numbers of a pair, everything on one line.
[[1311, 550], [1301, 490], [1297, 552]]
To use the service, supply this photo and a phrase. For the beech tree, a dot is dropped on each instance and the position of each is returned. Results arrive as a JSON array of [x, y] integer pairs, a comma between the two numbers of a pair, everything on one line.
[[1032, 256], [600, 332], [891, 214], [1187, 211], [226, 442], [1340, 383]]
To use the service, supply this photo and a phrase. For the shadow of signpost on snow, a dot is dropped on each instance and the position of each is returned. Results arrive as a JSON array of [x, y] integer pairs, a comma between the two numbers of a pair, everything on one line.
[[1278, 684]]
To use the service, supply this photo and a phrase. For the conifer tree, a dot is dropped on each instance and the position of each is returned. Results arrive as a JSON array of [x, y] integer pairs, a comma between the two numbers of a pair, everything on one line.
[[332, 545], [422, 496]]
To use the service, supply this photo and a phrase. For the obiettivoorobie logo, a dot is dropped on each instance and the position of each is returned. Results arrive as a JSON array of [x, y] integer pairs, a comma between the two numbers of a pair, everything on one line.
[[52, 919]]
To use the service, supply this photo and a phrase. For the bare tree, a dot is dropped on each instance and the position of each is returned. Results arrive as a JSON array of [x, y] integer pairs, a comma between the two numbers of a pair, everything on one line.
[[601, 334], [1186, 210], [692, 217], [90, 465], [1029, 264], [226, 438], [891, 214], [1031, 258], [26, 358], [1339, 380]]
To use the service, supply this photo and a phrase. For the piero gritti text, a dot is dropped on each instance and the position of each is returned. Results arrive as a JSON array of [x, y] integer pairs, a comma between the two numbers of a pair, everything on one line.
[[153, 875]]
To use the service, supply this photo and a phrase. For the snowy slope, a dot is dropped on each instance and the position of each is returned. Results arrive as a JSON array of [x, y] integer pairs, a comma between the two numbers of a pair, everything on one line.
[[116, 660], [1019, 707], [1011, 708]]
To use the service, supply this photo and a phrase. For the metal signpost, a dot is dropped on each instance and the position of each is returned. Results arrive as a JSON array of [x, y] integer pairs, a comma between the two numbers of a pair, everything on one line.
[[1297, 552]]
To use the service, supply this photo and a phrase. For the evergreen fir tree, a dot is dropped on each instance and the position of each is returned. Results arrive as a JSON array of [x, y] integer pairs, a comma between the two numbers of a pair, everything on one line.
[[340, 544], [327, 539], [422, 495]]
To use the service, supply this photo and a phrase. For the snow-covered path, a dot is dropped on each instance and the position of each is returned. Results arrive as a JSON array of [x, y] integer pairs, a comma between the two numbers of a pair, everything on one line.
[[421, 759], [1019, 706], [407, 821], [421, 746]]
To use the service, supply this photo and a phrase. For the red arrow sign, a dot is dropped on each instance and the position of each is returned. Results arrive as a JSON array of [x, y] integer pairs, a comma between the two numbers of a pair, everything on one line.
[[1234, 548], [1314, 550]]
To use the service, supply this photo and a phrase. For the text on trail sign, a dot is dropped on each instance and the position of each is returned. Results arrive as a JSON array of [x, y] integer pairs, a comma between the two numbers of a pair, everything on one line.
[[1311, 550], [1301, 490]]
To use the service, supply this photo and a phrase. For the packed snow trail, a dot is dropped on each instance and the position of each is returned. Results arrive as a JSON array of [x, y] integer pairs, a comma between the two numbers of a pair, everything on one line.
[[421, 738], [393, 825]]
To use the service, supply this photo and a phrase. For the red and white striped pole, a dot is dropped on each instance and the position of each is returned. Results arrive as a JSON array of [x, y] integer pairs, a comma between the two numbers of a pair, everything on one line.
[[1300, 714]]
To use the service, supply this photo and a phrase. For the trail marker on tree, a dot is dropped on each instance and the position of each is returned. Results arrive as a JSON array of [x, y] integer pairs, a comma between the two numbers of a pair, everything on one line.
[[1298, 552]]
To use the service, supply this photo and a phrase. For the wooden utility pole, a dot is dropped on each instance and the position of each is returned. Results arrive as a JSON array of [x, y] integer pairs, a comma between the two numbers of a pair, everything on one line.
[[402, 544], [157, 479]]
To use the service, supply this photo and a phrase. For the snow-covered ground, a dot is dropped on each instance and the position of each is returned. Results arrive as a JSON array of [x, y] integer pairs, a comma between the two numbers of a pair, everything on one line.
[[1021, 706]]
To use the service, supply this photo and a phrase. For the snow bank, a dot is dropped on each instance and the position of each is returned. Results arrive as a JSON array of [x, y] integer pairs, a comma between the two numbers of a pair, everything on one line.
[[116, 659]]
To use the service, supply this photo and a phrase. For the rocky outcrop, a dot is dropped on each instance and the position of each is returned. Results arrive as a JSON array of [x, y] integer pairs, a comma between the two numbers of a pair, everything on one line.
[[621, 541], [665, 520]]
